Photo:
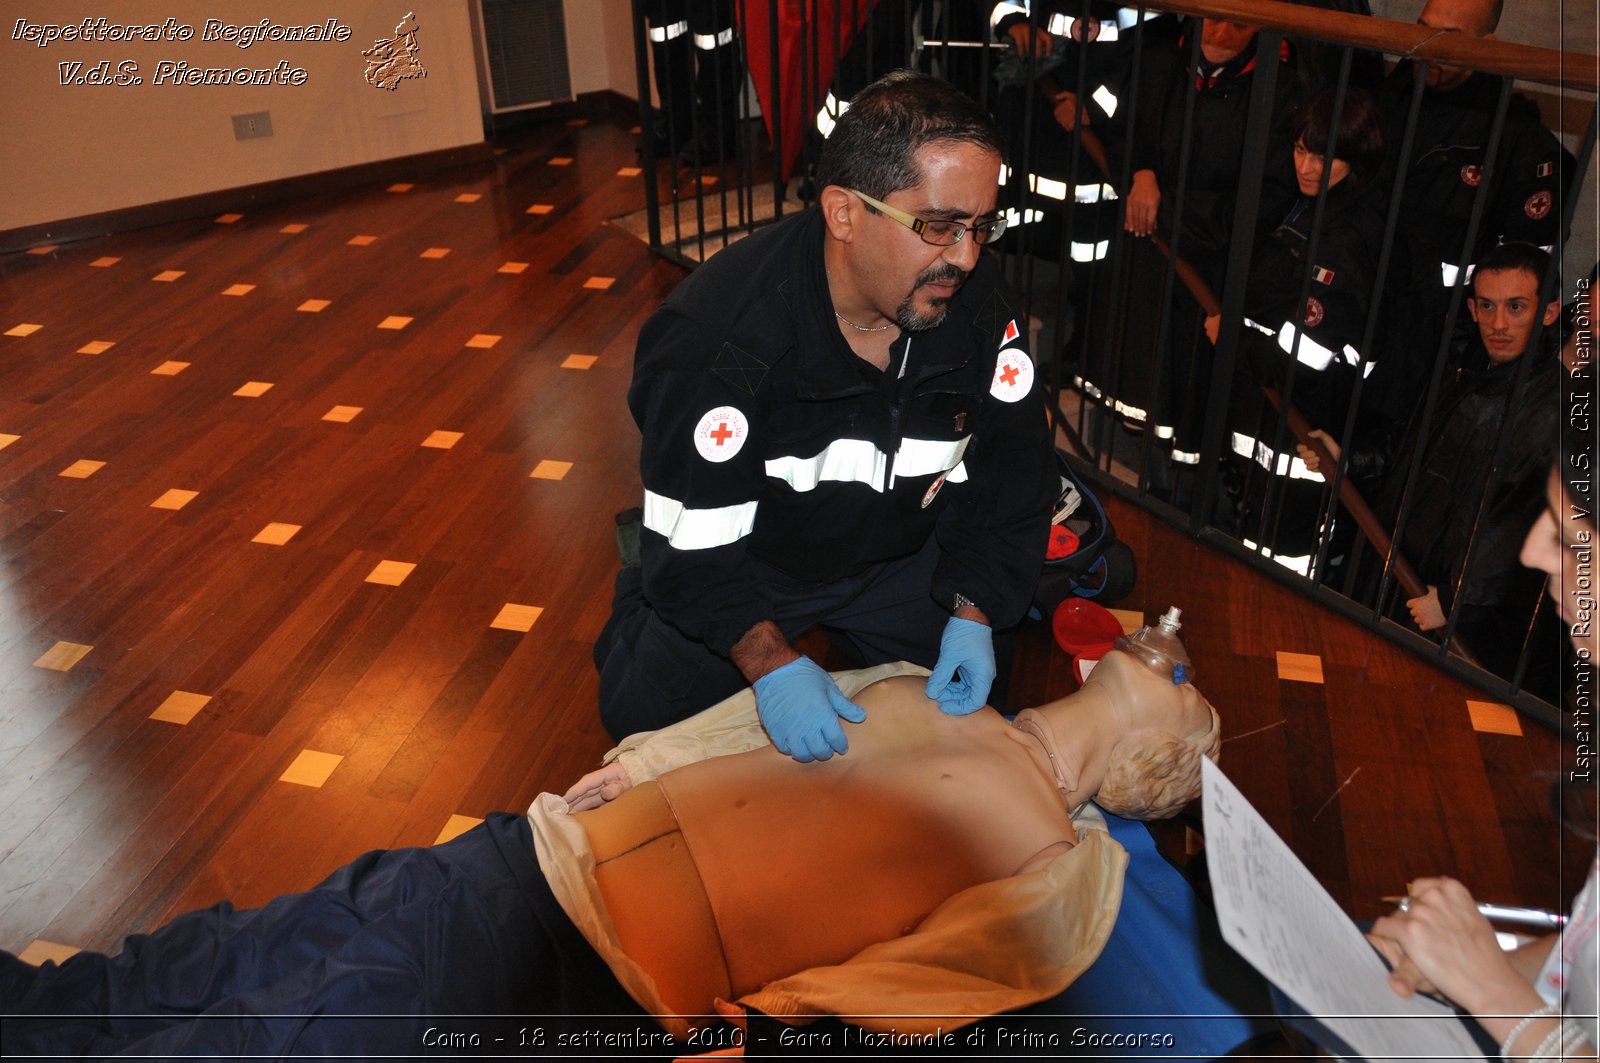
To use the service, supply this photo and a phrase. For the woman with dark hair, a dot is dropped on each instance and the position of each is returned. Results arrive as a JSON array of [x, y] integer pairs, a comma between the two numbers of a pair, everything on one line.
[[1311, 351]]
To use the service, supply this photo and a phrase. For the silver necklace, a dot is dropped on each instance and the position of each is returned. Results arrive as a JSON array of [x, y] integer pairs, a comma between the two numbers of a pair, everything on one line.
[[862, 328]]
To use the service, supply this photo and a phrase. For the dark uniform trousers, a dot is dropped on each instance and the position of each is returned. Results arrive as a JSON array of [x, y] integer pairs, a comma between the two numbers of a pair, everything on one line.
[[392, 955]]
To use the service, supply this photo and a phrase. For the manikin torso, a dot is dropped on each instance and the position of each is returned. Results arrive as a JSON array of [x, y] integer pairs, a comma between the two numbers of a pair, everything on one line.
[[803, 865]]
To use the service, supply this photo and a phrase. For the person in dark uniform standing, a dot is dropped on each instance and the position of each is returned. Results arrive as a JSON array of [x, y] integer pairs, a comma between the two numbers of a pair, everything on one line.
[[842, 426], [1312, 353], [1163, 385], [1448, 169], [1494, 596], [699, 74]]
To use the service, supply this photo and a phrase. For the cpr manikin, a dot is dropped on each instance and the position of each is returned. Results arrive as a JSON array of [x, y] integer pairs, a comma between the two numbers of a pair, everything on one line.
[[737, 876]]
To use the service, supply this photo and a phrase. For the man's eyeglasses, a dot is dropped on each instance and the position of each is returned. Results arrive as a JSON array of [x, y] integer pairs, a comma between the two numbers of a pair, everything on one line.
[[941, 233]]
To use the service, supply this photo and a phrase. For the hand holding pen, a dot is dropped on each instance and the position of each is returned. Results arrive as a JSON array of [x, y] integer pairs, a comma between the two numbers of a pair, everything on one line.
[[1441, 942], [1536, 918]]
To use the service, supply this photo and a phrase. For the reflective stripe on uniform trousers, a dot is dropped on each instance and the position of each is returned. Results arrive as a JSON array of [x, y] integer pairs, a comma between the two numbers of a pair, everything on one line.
[[1005, 9], [830, 113], [841, 461], [1128, 410], [660, 35], [1311, 354], [1127, 17], [1082, 250], [1300, 563], [1247, 446], [710, 41], [1049, 187]]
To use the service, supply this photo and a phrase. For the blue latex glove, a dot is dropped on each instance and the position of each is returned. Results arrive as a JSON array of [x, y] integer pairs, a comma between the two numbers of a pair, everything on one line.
[[966, 648], [800, 706]]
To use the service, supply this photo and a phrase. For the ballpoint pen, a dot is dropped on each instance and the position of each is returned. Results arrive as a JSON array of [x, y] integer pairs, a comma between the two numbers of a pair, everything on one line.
[[1502, 913]]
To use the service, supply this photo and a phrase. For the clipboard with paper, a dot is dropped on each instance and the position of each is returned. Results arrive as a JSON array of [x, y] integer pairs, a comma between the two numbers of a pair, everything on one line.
[[1275, 914]]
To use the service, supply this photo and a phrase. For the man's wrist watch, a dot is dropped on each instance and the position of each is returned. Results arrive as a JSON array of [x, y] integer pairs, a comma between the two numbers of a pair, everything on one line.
[[957, 600]]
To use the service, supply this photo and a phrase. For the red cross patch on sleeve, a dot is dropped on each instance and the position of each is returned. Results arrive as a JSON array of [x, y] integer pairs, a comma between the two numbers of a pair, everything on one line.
[[1013, 376], [720, 433]]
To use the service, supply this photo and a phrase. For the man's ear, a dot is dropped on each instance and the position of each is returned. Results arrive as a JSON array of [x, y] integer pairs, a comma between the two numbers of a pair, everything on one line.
[[838, 207], [1552, 312]]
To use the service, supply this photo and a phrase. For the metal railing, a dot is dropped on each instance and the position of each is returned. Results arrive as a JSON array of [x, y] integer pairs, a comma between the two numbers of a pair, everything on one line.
[[1087, 282]]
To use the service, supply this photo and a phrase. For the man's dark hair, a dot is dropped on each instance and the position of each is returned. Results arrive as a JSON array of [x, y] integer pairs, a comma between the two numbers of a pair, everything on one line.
[[873, 147], [1514, 255], [1360, 141]]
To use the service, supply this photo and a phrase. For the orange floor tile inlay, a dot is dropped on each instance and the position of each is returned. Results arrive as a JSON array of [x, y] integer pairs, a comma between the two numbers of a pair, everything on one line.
[[514, 617], [169, 368], [82, 469], [442, 440], [551, 470], [390, 573], [180, 707], [175, 498], [62, 656], [276, 533]]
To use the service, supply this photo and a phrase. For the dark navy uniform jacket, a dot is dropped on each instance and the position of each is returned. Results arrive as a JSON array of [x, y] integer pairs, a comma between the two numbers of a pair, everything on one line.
[[766, 437], [1450, 160]]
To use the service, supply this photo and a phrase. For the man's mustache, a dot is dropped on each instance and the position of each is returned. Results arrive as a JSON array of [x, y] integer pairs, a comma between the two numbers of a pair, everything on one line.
[[943, 274]]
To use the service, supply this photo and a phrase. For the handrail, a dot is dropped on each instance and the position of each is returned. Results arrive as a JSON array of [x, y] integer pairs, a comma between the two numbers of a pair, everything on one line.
[[1569, 70]]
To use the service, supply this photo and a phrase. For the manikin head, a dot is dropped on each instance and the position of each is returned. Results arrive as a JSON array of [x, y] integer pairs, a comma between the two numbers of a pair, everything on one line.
[[918, 145], [1162, 729], [1505, 299]]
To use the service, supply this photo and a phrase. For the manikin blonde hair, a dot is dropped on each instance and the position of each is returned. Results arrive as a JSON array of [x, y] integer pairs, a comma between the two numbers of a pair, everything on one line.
[[1154, 773]]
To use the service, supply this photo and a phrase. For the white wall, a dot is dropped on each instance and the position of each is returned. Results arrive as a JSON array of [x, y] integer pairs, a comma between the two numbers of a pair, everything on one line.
[[80, 149]]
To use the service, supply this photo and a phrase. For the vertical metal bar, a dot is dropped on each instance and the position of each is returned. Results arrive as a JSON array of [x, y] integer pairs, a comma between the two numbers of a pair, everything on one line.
[[1240, 249], [647, 128], [775, 104], [1277, 488], [1370, 332], [1170, 281], [1121, 253]]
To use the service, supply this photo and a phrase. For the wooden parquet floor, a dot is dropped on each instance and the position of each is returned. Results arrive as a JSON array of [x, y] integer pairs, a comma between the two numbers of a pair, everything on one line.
[[306, 536]]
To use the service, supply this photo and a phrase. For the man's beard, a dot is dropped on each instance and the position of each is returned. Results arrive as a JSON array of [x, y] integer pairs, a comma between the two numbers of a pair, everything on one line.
[[906, 314]]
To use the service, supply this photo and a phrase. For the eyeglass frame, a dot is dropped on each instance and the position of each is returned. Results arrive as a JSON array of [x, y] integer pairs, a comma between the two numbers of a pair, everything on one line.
[[920, 225]]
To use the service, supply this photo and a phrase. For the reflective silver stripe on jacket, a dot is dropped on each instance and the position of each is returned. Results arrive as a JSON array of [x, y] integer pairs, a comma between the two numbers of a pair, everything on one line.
[[697, 529], [859, 461]]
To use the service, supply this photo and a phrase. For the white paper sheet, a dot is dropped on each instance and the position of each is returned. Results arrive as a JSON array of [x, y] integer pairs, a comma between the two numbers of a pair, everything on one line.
[[1276, 915]]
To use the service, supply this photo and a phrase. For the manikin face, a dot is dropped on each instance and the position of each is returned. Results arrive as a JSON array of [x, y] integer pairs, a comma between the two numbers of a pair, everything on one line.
[[1560, 544], [1471, 17], [902, 276], [1221, 41], [1504, 304], [1308, 168]]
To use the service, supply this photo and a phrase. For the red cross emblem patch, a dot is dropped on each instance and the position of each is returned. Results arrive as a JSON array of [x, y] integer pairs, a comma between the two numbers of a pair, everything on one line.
[[1471, 175], [1313, 316], [721, 433], [1013, 375], [1537, 206]]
